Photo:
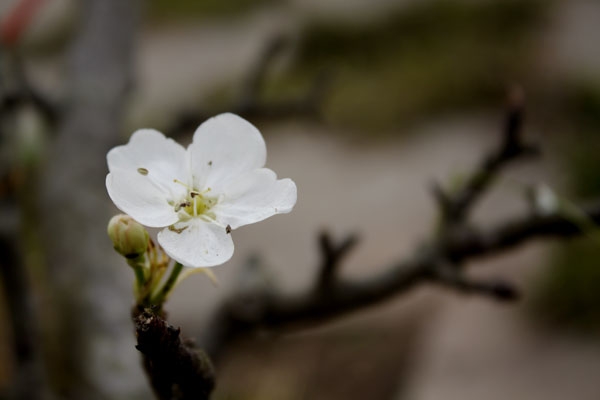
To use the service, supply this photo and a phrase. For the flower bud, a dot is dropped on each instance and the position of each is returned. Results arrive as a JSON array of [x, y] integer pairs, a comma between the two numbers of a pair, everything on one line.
[[129, 238]]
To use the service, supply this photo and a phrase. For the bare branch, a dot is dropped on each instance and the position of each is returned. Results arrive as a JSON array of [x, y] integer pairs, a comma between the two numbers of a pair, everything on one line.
[[30, 381], [437, 260], [176, 369], [21, 92], [453, 277], [250, 105], [455, 207], [332, 255], [284, 311]]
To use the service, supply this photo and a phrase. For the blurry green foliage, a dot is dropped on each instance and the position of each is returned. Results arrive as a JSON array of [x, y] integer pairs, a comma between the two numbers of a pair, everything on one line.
[[176, 10], [434, 56], [569, 295], [584, 102]]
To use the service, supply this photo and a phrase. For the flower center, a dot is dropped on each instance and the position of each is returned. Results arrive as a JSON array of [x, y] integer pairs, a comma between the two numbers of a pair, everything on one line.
[[195, 204]]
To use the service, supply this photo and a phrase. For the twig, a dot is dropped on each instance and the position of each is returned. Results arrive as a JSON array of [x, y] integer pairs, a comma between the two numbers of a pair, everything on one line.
[[30, 382], [332, 255], [455, 206], [455, 278], [286, 311], [437, 260], [249, 105], [23, 92], [176, 369]]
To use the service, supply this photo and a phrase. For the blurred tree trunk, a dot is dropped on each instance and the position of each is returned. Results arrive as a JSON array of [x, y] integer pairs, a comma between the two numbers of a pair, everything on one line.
[[92, 289]]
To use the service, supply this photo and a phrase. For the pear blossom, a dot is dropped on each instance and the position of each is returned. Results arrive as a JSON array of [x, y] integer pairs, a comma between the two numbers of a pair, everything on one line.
[[199, 194]]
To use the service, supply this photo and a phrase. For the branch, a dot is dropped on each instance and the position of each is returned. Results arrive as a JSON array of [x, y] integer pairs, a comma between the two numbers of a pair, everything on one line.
[[22, 92], [176, 369], [30, 381], [455, 207], [332, 255], [281, 311], [438, 260], [454, 278], [250, 106]]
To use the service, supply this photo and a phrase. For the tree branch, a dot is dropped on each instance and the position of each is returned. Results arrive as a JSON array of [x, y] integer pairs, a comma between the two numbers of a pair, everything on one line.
[[30, 381], [250, 105], [437, 260], [332, 255], [176, 369], [455, 207]]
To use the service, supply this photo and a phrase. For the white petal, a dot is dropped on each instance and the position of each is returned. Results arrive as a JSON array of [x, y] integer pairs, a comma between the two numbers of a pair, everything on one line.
[[149, 152], [224, 147], [136, 195], [197, 243], [253, 197]]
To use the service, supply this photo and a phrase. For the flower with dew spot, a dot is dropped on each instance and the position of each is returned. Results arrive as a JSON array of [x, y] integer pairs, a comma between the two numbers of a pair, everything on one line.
[[199, 194]]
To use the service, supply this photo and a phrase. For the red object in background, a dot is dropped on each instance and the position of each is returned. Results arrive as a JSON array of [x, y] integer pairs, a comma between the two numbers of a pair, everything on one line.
[[17, 20]]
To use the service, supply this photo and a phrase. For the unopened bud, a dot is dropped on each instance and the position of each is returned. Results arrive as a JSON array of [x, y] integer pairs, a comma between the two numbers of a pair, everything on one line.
[[546, 201], [129, 238]]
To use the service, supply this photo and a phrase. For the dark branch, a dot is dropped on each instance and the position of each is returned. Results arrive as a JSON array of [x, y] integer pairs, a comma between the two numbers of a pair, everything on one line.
[[22, 92], [176, 369], [30, 381], [483, 242], [459, 241], [454, 278], [284, 311], [250, 105], [332, 255], [455, 207]]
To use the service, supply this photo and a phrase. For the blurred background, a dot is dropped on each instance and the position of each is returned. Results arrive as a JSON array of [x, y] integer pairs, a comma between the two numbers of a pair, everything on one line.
[[364, 104]]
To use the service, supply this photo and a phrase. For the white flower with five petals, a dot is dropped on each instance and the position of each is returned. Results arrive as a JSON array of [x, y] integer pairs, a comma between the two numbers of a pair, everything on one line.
[[199, 194]]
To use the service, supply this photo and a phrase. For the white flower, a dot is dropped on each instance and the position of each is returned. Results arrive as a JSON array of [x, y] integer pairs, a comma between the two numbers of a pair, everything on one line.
[[200, 193]]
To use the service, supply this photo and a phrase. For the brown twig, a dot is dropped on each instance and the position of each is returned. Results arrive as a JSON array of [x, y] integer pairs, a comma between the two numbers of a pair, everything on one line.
[[332, 255], [250, 105], [22, 92], [455, 207], [30, 381], [437, 260], [284, 311], [175, 368]]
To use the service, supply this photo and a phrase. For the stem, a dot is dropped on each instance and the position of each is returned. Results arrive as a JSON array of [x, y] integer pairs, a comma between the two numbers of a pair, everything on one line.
[[139, 276], [138, 265], [169, 284]]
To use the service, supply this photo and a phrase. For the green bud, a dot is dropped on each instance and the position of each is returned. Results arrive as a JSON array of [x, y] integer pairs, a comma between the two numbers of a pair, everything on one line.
[[129, 238]]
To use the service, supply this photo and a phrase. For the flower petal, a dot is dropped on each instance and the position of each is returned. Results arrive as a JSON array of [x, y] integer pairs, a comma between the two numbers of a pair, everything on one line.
[[197, 243], [224, 147], [255, 196], [138, 196], [151, 154]]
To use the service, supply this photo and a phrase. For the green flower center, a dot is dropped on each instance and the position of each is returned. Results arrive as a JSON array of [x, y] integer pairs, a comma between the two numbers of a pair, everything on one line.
[[195, 204]]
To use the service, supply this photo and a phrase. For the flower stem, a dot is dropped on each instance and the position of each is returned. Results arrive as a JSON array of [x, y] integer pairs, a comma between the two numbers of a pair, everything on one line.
[[161, 296], [139, 276], [138, 265]]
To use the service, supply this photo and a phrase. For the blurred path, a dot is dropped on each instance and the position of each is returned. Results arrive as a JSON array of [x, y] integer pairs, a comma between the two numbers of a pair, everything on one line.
[[477, 350]]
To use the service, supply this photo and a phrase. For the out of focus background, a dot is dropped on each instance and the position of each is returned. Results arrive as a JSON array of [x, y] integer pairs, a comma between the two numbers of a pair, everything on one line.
[[363, 103]]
